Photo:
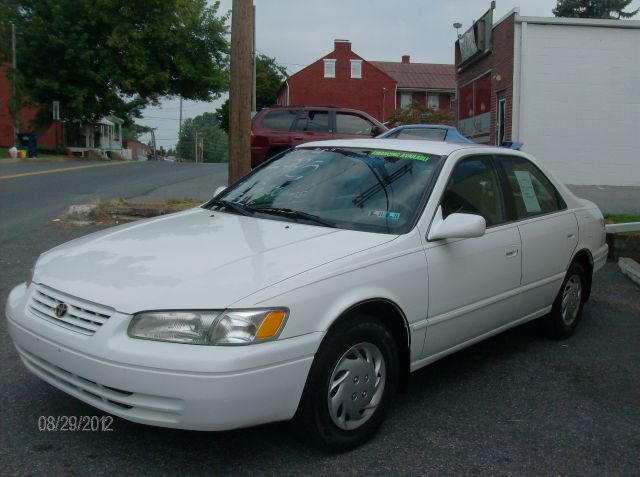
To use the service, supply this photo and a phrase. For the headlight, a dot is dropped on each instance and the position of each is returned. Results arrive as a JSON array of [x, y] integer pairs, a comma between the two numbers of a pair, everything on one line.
[[229, 327]]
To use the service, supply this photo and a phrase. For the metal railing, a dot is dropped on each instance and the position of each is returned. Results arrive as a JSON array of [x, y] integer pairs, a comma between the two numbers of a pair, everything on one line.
[[628, 227]]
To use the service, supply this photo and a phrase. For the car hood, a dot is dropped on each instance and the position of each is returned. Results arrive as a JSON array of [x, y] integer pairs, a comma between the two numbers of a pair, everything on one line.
[[195, 259]]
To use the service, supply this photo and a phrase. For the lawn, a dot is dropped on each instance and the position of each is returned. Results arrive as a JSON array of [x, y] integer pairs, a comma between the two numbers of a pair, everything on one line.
[[621, 218]]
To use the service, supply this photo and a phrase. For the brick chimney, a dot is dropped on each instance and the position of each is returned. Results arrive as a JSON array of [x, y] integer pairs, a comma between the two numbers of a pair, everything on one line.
[[342, 46], [405, 59]]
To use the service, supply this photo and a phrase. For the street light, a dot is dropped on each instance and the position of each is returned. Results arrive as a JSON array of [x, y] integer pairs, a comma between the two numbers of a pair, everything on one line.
[[457, 26]]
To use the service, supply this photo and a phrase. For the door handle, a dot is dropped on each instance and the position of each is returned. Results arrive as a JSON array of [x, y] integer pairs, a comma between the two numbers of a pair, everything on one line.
[[298, 138], [571, 236], [512, 253]]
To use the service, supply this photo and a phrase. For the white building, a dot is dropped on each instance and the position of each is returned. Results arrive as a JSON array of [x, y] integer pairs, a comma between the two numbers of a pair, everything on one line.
[[567, 88]]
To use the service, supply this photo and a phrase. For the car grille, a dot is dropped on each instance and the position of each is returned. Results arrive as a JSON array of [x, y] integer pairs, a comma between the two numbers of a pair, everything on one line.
[[116, 401], [81, 316]]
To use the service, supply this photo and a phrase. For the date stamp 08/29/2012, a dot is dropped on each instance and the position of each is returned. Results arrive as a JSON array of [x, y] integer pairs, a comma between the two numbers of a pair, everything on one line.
[[75, 423]]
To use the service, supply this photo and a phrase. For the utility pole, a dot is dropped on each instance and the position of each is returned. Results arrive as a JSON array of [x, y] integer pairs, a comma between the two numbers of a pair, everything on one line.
[[253, 52], [240, 90], [14, 74], [196, 148], [180, 124]]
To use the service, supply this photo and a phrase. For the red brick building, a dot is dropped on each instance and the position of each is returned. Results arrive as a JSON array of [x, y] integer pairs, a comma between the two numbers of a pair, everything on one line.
[[46, 137], [484, 65], [344, 79], [427, 84]]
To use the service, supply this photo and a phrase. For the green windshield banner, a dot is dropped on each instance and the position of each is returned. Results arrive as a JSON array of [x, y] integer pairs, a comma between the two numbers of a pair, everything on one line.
[[401, 155]]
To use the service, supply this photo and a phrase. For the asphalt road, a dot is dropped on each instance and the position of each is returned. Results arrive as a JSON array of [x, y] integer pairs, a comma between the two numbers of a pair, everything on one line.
[[517, 404]]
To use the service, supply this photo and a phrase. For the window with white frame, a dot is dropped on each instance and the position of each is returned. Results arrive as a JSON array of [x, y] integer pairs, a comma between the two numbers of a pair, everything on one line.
[[433, 101], [329, 68], [406, 99], [356, 68]]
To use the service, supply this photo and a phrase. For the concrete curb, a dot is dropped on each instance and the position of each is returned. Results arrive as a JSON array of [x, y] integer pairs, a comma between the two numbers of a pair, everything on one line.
[[630, 268]]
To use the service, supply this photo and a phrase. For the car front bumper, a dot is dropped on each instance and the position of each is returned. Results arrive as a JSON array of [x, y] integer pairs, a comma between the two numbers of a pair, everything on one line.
[[164, 384]]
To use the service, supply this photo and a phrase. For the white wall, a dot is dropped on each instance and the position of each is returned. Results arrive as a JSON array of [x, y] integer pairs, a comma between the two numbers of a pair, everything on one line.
[[579, 100]]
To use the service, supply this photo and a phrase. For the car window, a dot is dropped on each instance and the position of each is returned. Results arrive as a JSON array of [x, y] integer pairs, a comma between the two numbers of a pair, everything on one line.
[[422, 133], [353, 124], [474, 188], [532, 192], [279, 120], [313, 121]]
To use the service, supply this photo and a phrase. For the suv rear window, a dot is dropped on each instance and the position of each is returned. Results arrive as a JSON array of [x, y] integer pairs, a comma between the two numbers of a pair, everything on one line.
[[279, 120]]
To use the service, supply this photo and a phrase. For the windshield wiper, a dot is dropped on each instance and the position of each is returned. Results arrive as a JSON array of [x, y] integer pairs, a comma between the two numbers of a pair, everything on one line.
[[235, 206], [294, 214]]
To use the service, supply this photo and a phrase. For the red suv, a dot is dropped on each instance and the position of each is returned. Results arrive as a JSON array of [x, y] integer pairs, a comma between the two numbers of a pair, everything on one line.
[[278, 128]]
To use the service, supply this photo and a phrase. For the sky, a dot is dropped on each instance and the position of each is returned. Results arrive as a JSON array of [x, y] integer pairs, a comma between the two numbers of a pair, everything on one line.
[[298, 32]]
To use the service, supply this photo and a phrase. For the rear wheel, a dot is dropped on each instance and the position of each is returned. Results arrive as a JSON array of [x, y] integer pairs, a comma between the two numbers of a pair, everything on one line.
[[350, 386], [567, 307]]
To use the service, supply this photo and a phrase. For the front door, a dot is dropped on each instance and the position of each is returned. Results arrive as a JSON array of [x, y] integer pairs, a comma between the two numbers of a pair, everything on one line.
[[473, 281]]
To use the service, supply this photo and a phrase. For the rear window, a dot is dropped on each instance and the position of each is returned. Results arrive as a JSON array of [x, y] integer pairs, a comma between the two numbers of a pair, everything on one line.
[[279, 120], [353, 125], [532, 192], [416, 133]]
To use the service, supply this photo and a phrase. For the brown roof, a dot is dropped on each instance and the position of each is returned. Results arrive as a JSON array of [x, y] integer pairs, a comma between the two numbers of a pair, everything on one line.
[[419, 75]]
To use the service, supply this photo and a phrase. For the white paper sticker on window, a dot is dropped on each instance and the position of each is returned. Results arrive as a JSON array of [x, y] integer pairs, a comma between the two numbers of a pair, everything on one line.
[[528, 194]]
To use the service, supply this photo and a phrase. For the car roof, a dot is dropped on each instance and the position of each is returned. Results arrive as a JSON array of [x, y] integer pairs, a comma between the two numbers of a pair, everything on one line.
[[441, 148]]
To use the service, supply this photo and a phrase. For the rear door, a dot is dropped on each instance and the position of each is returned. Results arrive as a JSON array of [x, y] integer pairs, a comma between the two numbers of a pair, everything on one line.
[[549, 231], [311, 125]]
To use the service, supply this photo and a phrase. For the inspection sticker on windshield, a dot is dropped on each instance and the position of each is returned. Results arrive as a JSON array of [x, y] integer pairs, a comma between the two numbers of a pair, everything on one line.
[[401, 155], [384, 214]]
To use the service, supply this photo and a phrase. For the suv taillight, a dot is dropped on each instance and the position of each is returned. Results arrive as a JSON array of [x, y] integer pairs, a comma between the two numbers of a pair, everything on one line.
[[251, 136]]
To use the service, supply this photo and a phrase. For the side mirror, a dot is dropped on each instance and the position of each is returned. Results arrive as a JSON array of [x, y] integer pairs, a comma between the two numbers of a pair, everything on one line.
[[219, 190], [456, 226], [376, 131]]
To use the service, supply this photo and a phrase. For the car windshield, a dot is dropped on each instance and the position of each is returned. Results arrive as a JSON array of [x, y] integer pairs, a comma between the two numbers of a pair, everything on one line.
[[361, 189]]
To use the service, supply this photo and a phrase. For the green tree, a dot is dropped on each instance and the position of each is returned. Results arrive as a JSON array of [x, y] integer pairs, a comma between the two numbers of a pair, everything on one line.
[[100, 57], [214, 140], [133, 132], [269, 77], [420, 114], [610, 9]]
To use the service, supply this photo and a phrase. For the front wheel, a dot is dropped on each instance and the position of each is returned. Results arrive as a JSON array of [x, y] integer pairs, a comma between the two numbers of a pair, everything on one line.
[[350, 386], [565, 315]]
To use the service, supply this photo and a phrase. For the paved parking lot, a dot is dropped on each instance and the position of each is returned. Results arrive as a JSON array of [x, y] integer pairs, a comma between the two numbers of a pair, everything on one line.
[[517, 404]]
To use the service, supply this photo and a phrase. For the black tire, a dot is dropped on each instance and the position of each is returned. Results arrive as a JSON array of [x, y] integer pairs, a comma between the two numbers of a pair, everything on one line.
[[561, 322], [313, 421]]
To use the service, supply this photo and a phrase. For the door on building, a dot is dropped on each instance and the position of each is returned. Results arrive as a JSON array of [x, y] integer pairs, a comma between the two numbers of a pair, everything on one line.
[[500, 119]]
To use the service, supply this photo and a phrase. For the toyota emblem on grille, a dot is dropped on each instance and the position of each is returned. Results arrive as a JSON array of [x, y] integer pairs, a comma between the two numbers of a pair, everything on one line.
[[61, 310]]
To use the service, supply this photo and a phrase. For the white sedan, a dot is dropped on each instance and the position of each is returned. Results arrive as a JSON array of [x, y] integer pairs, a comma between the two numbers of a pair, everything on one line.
[[311, 288]]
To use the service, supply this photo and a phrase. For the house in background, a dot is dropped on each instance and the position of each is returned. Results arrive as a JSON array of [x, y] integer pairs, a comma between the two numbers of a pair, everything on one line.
[[104, 136], [567, 88], [428, 84], [136, 150], [46, 136], [345, 79]]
